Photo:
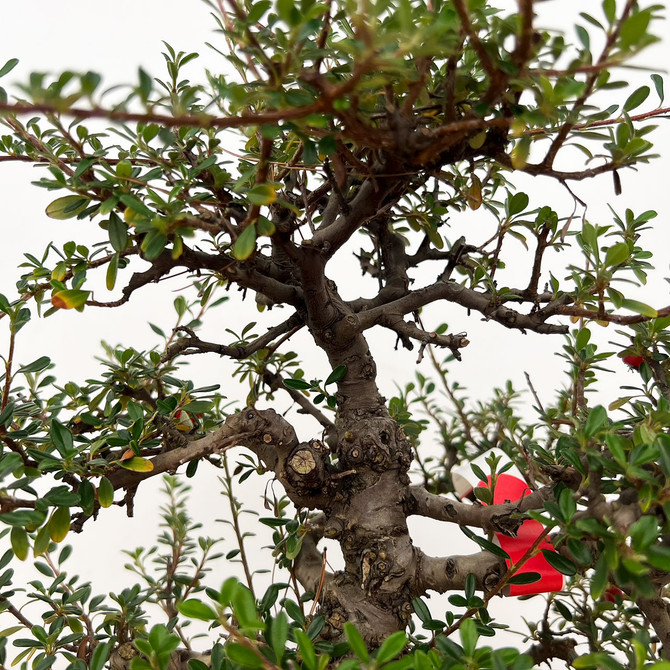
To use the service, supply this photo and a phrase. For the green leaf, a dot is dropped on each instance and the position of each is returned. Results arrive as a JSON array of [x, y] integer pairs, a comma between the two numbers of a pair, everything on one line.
[[643, 532], [567, 504], [112, 270], [137, 464], [525, 578], [634, 29], [198, 406], [38, 365], [560, 563], [42, 541], [136, 205], [262, 194], [6, 415], [86, 497], [658, 84], [293, 546], [635, 99], [99, 656], [8, 66], [61, 438], [124, 169], [517, 203], [6, 632], [580, 550], [486, 545], [19, 541], [609, 8], [306, 649], [297, 384], [639, 308], [23, 517], [105, 492], [617, 254], [244, 607], [279, 635], [257, 10], [59, 524], [356, 642], [618, 446], [196, 609], [245, 244], [596, 420], [336, 375], [293, 610], [520, 153], [67, 207], [469, 637], [582, 339], [421, 610], [118, 232], [243, 656], [153, 244], [600, 660], [391, 647], [659, 557]]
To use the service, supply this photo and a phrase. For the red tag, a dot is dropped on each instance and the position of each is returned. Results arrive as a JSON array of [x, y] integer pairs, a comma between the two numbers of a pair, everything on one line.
[[510, 489]]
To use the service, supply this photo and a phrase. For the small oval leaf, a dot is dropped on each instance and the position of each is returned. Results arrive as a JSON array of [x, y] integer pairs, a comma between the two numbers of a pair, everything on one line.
[[66, 207]]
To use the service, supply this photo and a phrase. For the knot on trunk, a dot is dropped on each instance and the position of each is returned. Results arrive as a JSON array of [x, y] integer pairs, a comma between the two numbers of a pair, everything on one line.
[[306, 466]]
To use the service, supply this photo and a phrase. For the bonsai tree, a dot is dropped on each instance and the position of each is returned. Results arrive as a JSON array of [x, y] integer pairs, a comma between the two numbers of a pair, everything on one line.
[[359, 134]]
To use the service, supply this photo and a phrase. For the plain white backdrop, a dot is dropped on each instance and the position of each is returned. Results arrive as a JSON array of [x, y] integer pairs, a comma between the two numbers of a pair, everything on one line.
[[114, 39]]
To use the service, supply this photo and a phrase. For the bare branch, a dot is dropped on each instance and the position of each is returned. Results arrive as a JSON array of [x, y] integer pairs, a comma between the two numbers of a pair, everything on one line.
[[484, 303], [409, 331], [450, 574], [505, 518]]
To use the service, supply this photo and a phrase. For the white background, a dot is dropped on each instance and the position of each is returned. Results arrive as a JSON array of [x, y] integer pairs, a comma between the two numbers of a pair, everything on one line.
[[114, 39]]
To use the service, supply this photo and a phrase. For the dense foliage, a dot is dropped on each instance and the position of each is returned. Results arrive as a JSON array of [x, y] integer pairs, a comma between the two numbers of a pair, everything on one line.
[[344, 133]]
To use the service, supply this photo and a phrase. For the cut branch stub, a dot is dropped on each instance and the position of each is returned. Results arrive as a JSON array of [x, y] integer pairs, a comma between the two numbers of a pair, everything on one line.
[[302, 468]]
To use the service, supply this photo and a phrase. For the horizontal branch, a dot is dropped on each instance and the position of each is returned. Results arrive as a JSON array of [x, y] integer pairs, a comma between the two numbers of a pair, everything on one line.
[[408, 331], [212, 443], [451, 291], [182, 120], [450, 573], [620, 319], [504, 518]]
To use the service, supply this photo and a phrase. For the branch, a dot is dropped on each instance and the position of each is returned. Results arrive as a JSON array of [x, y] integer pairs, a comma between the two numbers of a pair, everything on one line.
[[588, 88], [308, 564], [192, 344], [620, 319], [451, 291], [216, 441], [450, 574], [655, 611], [275, 381], [243, 273], [409, 331], [505, 518], [10, 503], [477, 45], [524, 44], [365, 204], [182, 120]]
